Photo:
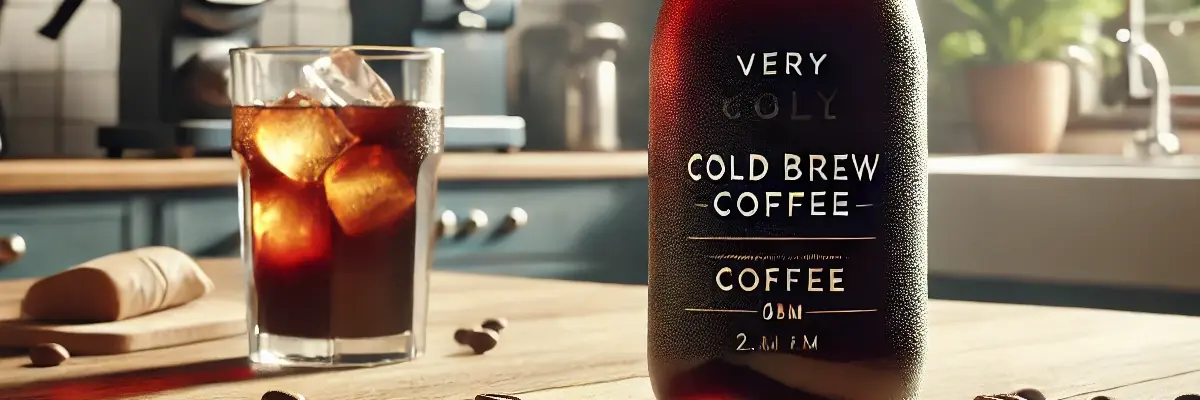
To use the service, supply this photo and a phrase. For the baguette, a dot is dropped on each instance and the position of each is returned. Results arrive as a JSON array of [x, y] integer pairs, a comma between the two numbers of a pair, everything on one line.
[[117, 287]]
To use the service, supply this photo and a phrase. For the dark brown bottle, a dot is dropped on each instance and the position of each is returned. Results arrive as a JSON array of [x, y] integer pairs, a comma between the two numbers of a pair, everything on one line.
[[788, 200]]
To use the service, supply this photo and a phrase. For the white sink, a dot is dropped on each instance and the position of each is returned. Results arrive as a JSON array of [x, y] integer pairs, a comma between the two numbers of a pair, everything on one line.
[[1059, 218]]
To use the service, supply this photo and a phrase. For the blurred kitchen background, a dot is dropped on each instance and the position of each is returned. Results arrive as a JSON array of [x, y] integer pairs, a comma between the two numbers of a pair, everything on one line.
[[57, 92], [1099, 208]]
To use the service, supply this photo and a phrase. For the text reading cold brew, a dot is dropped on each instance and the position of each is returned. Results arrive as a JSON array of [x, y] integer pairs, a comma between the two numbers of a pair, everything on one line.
[[838, 167], [795, 167]]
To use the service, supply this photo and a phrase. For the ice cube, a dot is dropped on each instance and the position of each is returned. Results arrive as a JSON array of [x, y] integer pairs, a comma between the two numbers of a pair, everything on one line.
[[301, 142], [346, 79], [290, 224], [300, 97], [367, 190]]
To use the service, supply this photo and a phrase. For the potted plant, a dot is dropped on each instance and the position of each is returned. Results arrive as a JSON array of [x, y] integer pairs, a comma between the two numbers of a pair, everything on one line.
[[1018, 87]]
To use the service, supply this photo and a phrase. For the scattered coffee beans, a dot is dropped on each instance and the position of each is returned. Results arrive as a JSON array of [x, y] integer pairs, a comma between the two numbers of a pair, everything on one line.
[[482, 341], [281, 395], [495, 324], [496, 397], [461, 336], [484, 338], [48, 355], [1030, 394], [1189, 397]]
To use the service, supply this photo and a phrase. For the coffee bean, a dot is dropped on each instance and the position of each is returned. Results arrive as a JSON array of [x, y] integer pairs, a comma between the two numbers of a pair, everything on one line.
[[495, 324], [1030, 394], [48, 355], [461, 335], [281, 395], [999, 397], [1102, 398], [1189, 397], [483, 340], [496, 397]]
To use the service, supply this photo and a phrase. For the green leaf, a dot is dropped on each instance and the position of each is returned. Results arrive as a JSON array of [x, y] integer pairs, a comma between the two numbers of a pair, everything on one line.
[[1027, 30], [970, 9], [1108, 47], [993, 16], [1002, 6], [1102, 8], [961, 46], [1029, 11], [1032, 44], [1016, 32]]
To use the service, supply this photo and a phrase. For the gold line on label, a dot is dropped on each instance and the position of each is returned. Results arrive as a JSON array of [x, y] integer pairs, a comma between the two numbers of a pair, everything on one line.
[[747, 257], [718, 311], [701, 205], [864, 205], [713, 310], [778, 238]]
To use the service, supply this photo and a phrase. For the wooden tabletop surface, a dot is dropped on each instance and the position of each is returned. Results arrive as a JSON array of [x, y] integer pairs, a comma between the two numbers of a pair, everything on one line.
[[579, 341], [61, 175]]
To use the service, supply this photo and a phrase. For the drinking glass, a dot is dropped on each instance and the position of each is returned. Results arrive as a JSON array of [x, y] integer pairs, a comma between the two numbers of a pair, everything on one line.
[[339, 149]]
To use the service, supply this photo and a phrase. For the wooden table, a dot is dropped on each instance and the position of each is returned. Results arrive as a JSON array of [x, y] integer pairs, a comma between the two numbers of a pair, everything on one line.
[[579, 341]]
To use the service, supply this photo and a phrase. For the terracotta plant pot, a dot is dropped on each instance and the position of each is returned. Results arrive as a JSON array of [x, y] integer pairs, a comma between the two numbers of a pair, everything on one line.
[[1020, 108]]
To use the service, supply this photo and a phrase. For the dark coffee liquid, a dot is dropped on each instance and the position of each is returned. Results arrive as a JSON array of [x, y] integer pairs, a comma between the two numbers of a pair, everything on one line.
[[336, 250], [787, 200]]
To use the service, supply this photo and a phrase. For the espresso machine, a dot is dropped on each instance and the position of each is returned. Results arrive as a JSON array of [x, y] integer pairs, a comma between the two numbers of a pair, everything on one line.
[[472, 32], [174, 73]]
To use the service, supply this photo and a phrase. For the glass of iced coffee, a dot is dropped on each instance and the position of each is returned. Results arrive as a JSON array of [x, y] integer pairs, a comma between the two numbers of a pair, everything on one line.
[[339, 149]]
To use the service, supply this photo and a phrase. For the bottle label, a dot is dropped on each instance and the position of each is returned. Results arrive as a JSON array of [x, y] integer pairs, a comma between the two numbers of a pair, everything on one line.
[[787, 202], [787, 213]]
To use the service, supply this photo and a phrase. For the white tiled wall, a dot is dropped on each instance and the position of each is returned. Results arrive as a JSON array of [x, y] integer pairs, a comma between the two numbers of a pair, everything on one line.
[[55, 93]]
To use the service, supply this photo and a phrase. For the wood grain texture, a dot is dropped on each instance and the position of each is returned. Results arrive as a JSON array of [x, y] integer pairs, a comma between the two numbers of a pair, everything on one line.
[[218, 315], [41, 176], [574, 340], [204, 319]]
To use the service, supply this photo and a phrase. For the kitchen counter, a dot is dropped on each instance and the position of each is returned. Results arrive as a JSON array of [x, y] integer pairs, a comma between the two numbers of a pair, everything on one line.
[[573, 340], [75, 175], [577, 206]]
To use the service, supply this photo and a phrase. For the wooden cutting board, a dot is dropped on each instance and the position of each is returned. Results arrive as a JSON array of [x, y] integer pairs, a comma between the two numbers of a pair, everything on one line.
[[220, 314]]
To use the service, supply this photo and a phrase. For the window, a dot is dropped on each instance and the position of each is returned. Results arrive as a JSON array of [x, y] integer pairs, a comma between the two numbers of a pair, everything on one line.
[[1172, 26]]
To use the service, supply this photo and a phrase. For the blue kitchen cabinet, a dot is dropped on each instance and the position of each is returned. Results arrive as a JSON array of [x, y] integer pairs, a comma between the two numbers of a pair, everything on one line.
[[583, 230], [203, 223], [64, 229], [591, 230]]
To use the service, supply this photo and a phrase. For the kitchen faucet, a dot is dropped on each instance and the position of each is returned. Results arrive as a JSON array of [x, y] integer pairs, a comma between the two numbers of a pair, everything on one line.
[[1159, 138]]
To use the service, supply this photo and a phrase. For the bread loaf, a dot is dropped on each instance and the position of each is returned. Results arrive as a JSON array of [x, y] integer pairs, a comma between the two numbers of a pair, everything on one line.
[[118, 286]]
